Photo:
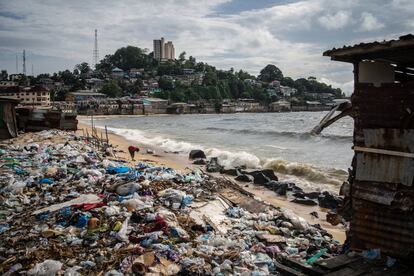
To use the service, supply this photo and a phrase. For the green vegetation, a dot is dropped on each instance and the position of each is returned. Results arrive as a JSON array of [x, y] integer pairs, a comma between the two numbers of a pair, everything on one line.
[[212, 84], [270, 73], [216, 84], [112, 89]]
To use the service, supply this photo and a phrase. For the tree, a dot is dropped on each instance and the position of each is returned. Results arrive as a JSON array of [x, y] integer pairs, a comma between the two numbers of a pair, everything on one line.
[[270, 73], [4, 75], [287, 81], [83, 68], [111, 89], [61, 95], [67, 77], [210, 78], [169, 68], [79, 84], [105, 65], [181, 57], [243, 75], [166, 84], [129, 57], [178, 95]]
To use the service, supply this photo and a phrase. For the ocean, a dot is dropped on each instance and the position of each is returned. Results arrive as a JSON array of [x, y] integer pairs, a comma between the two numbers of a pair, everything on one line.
[[280, 141]]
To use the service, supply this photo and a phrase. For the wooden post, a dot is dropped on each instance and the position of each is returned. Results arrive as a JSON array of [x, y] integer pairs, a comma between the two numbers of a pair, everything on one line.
[[87, 135], [106, 134]]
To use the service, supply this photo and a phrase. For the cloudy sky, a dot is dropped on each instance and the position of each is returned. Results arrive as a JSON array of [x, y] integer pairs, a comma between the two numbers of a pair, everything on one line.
[[244, 34]]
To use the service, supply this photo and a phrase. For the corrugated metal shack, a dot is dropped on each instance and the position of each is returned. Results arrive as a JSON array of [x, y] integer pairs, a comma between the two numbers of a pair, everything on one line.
[[37, 119], [381, 190], [8, 123]]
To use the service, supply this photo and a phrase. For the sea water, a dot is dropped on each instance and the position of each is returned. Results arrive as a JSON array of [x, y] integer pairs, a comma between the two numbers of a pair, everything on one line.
[[280, 141]]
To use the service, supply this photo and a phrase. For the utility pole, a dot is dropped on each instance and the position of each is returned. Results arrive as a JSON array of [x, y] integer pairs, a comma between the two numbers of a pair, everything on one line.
[[95, 56], [24, 62]]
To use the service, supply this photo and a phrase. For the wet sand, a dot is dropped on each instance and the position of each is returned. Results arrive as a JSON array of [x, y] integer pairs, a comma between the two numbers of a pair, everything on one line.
[[180, 162], [160, 157]]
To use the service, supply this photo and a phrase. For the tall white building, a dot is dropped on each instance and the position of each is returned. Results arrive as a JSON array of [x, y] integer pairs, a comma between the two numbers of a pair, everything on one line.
[[163, 51], [169, 52], [159, 49]]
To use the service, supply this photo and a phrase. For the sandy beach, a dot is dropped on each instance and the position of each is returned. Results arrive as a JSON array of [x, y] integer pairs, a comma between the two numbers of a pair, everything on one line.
[[180, 162]]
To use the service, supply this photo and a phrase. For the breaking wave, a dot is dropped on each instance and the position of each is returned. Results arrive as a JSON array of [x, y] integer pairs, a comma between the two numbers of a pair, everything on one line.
[[306, 171], [313, 176], [164, 143], [287, 134]]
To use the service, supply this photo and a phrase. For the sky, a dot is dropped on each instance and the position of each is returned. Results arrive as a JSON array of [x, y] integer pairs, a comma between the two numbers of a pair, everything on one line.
[[243, 34]]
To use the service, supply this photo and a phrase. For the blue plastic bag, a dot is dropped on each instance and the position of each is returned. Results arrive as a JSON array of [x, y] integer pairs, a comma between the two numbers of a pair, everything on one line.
[[46, 181], [82, 221], [116, 170]]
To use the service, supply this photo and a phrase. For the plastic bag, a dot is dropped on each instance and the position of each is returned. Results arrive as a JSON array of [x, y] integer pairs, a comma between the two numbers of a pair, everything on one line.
[[116, 170], [112, 211], [136, 203], [122, 233], [15, 186], [47, 268], [299, 222], [127, 189], [72, 271]]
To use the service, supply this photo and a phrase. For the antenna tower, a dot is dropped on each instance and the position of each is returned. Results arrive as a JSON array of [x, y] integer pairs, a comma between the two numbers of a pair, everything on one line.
[[17, 64], [95, 50], [24, 62]]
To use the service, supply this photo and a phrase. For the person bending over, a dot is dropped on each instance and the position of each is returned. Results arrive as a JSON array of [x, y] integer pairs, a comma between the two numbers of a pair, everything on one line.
[[132, 150]]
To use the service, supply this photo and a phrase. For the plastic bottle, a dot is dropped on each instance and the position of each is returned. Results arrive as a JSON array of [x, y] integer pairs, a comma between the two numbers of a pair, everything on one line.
[[315, 257]]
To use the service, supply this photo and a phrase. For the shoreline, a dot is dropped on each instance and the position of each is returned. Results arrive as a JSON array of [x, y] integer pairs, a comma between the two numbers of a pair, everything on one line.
[[181, 163], [310, 176]]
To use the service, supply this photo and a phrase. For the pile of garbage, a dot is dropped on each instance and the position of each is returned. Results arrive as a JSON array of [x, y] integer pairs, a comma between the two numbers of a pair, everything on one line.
[[71, 209]]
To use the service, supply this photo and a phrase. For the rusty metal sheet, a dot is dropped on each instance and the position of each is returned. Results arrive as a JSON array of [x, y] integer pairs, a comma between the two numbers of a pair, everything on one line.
[[387, 194], [388, 106], [376, 226], [390, 139], [375, 195], [384, 168]]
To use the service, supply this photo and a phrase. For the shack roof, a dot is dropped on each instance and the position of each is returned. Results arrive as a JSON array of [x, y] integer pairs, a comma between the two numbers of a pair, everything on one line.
[[10, 89], [10, 100], [400, 51], [86, 93], [154, 100], [16, 89]]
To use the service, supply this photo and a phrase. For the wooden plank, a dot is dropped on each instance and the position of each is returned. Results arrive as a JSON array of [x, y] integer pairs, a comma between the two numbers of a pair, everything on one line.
[[384, 152], [335, 262], [346, 271], [308, 270], [248, 203], [361, 266], [287, 270]]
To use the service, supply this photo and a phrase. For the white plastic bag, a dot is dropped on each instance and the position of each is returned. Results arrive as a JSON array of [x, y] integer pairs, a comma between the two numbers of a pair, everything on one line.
[[122, 233], [298, 222], [47, 268]]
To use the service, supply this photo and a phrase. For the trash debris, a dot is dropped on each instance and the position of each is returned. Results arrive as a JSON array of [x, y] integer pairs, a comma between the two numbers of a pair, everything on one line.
[[48, 267], [372, 254], [68, 210]]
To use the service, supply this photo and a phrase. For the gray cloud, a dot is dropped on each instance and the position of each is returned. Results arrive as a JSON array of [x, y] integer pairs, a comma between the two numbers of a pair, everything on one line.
[[291, 34]]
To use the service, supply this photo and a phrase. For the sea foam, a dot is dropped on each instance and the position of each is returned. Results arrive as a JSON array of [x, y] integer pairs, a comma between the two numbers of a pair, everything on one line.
[[307, 176]]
